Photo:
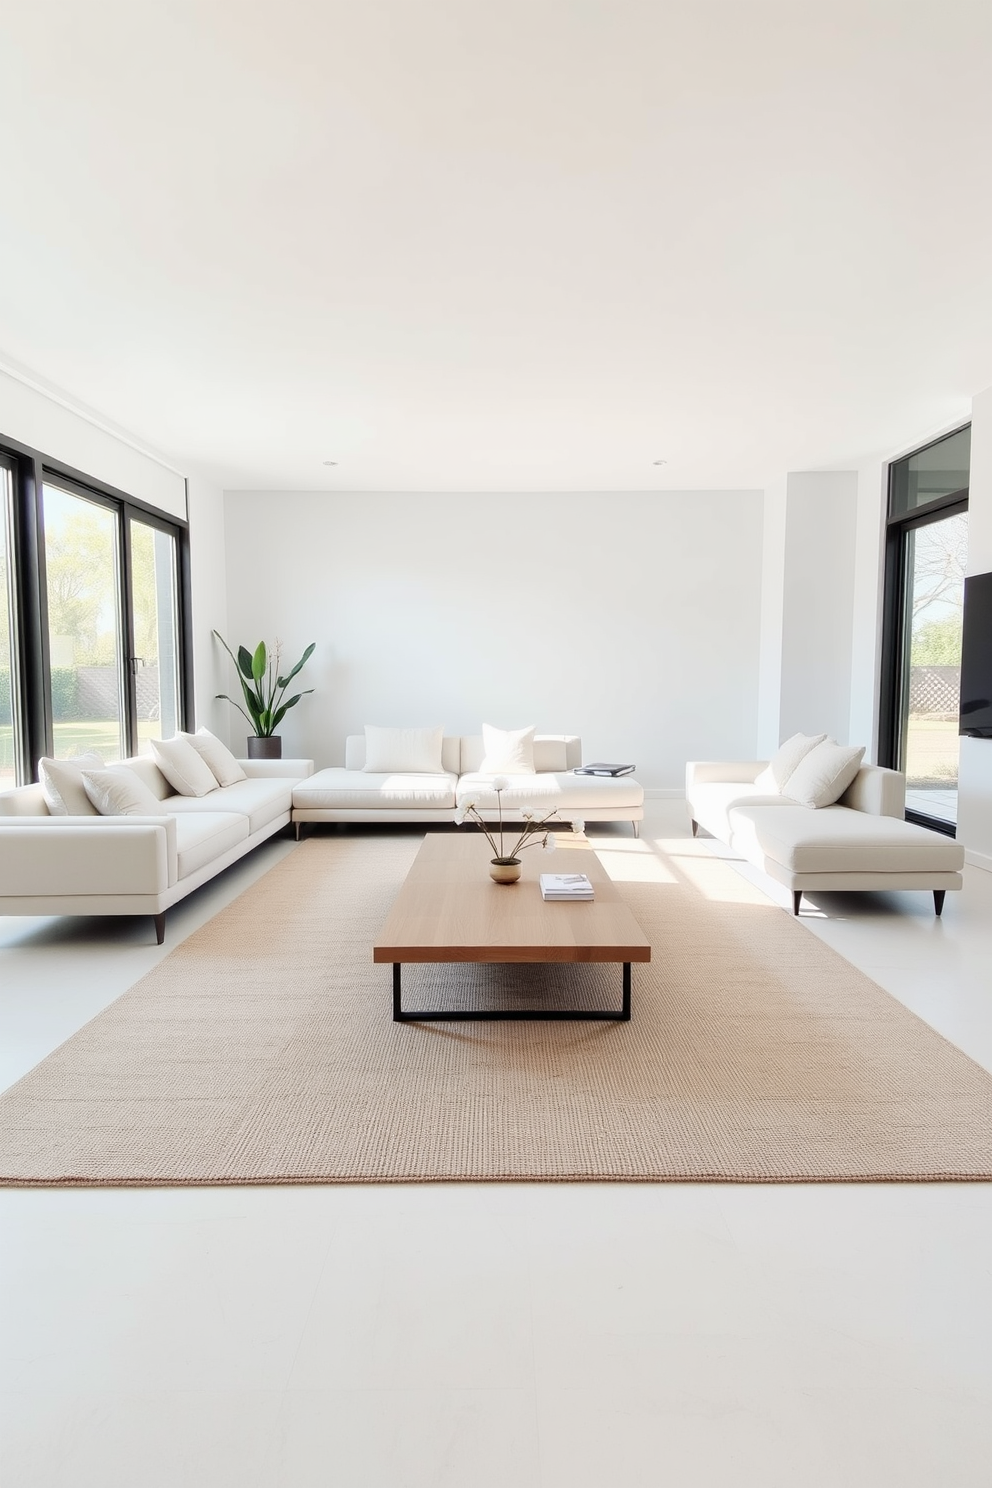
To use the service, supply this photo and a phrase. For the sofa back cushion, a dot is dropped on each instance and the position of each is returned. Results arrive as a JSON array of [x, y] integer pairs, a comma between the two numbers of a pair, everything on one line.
[[118, 791], [216, 756], [149, 773], [354, 753], [553, 753], [62, 783], [183, 766], [824, 774], [786, 760]]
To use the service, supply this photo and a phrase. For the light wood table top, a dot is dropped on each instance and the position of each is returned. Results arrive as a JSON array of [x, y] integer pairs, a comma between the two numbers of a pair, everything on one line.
[[449, 909]]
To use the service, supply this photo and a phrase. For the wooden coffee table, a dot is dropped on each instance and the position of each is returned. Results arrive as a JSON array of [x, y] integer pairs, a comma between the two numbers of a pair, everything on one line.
[[449, 909]]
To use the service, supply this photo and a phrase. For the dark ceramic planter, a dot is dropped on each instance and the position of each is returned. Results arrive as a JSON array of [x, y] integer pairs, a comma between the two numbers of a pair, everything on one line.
[[270, 748]]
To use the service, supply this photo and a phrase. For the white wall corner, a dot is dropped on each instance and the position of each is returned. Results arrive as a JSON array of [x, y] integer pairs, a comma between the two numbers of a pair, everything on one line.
[[772, 607], [208, 602]]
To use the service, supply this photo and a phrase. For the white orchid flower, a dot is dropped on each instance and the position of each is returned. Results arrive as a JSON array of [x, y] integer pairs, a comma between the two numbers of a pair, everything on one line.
[[549, 843], [578, 825], [468, 803], [500, 783]]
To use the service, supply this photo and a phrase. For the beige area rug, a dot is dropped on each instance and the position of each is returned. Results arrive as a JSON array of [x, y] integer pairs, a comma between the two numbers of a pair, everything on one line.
[[262, 1050]]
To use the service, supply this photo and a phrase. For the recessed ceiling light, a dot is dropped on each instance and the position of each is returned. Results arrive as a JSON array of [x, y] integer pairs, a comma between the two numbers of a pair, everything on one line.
[[330, 462]]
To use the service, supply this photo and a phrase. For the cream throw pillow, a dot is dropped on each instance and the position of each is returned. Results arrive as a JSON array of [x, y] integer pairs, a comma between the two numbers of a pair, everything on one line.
[[824, 775], [117, 791], [790, 754], [216, 756], [186, 771], [62, 785], [402, 751], [508, 751]]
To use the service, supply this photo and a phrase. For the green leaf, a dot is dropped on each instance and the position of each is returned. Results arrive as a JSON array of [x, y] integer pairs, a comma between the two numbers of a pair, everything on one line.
[[244, 662], [291, 703], [258, 662], [285, 681]]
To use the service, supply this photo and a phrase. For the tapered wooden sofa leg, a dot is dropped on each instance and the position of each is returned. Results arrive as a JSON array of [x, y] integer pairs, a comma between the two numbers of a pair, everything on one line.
[[938, 900], [695, 828], [797, 895], [159, 928]]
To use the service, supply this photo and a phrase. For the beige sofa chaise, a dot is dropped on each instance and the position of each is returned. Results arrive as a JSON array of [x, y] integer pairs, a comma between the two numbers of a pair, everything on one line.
[[349, 793], [860, 842], [132, 865]]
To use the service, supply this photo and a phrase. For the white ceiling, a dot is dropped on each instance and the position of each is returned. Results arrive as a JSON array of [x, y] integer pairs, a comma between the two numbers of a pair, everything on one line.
[[501, 244]]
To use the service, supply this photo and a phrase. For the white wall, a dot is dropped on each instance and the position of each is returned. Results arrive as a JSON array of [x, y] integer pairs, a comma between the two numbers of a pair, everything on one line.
[[208, 583], [631, 619], [37, 418], [975, 771], [866, 639], [817, 589], [769, 732]]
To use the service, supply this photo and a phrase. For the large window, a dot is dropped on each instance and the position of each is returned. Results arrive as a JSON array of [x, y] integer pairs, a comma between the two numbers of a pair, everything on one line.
[[927, 546], [91, 619]]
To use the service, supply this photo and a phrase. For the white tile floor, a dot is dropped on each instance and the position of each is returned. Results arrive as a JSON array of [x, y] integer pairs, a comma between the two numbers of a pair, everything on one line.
[[517, 1336]]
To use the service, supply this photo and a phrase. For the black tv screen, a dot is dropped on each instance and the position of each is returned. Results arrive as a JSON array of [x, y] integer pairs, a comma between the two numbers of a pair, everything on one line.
[[976, 658]]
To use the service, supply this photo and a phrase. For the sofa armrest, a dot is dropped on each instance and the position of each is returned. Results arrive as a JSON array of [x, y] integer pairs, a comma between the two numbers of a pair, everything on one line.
[[87, 855], [735, 772], [277, 769], [878, 791]]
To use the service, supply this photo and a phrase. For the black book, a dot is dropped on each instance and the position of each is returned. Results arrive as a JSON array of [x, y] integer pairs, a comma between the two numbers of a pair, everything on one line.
[[601, 769]]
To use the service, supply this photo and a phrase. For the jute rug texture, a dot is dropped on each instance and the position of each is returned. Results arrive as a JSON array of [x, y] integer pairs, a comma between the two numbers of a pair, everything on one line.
[[262, 1050]]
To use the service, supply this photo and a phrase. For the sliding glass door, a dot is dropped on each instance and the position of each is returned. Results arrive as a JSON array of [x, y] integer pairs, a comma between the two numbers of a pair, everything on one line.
[[154, 616], [85, 643], [927, 548], [935, 555]]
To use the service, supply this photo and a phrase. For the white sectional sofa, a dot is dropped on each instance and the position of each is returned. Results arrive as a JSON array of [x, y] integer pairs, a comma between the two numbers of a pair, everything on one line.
[[349, 793], [131, 865], [860, 842]]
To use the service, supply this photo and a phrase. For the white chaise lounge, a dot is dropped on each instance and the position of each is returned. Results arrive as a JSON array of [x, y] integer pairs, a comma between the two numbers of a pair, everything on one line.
[[860, 842]]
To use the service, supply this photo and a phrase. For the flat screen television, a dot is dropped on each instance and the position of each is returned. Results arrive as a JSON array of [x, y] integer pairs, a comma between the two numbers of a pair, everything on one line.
[[976, 658]]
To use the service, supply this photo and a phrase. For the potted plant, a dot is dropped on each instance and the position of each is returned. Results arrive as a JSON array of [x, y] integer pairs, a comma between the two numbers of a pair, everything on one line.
[[264, 689]]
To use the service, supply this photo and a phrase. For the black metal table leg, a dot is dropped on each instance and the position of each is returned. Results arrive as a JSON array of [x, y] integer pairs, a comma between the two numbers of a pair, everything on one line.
[[567, 1015]]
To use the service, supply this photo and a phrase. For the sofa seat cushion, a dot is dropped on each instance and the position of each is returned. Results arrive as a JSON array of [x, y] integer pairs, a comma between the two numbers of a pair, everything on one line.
[[711, 802], [204, 836], [836, 839], [562, 791], [338, 789], [260, 800]]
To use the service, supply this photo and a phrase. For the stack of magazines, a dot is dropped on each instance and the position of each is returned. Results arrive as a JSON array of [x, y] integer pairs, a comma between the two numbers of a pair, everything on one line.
[[601, 768], [565, 886]]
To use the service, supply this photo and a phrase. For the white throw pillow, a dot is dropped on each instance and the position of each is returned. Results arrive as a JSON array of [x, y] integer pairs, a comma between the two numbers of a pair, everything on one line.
[[62, 784], [183, 767], [789, 755], [508, 751], [824, 775], [402, 751], [216, 756], [117, 791]]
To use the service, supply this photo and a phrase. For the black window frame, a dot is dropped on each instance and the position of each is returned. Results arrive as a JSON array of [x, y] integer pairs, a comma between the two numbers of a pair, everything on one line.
[[894, 583], [30, 469]]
